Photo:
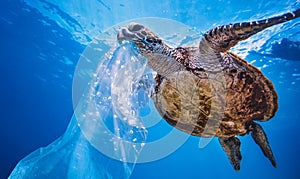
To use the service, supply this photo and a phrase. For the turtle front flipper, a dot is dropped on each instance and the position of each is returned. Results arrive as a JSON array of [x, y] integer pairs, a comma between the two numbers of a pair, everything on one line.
[[261, 140], [231, 146], [222, 38]]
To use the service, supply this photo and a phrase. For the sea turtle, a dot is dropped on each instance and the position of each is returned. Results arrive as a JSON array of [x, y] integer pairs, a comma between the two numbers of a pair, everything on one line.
[[208, 91]]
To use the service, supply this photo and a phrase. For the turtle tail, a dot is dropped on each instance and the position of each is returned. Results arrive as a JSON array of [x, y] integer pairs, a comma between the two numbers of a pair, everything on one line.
[[222, 38]]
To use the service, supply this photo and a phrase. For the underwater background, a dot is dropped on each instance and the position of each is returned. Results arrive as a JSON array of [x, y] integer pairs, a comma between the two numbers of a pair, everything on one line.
[[41, 43]]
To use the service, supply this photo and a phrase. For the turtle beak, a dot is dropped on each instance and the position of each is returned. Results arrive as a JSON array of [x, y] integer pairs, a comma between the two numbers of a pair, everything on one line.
[[130, 33], [125, 34]]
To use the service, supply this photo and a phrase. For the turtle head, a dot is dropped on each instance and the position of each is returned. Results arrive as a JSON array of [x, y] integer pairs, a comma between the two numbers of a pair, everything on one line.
[[160, 57], [142, 37]]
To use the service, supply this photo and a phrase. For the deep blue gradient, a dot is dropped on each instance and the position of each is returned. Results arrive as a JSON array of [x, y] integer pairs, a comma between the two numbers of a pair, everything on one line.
[[36, 103], [39, 56]]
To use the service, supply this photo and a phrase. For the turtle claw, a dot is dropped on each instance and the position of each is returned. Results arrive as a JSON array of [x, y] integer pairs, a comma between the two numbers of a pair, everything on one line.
[[231, 146], [261, 140]]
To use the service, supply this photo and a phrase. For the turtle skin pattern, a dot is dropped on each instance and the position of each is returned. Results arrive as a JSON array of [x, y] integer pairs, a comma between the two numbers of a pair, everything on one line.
[[208, 91]]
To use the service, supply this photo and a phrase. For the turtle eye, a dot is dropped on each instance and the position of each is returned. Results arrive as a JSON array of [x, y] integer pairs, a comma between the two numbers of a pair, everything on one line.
[[153, 40]]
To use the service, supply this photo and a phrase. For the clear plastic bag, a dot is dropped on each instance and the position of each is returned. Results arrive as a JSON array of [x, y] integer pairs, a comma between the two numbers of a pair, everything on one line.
[[111, 90]]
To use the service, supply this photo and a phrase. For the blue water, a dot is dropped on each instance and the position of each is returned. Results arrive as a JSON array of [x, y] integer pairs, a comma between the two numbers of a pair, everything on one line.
[[41, 42]]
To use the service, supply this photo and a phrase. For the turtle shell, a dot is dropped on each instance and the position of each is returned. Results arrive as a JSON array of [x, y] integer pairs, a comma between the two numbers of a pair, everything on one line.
[[207, 104]]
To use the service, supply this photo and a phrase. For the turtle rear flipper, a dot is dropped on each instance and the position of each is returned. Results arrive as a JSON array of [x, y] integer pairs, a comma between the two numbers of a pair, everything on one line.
[[261, 140], [231, 146], [222, 38]]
